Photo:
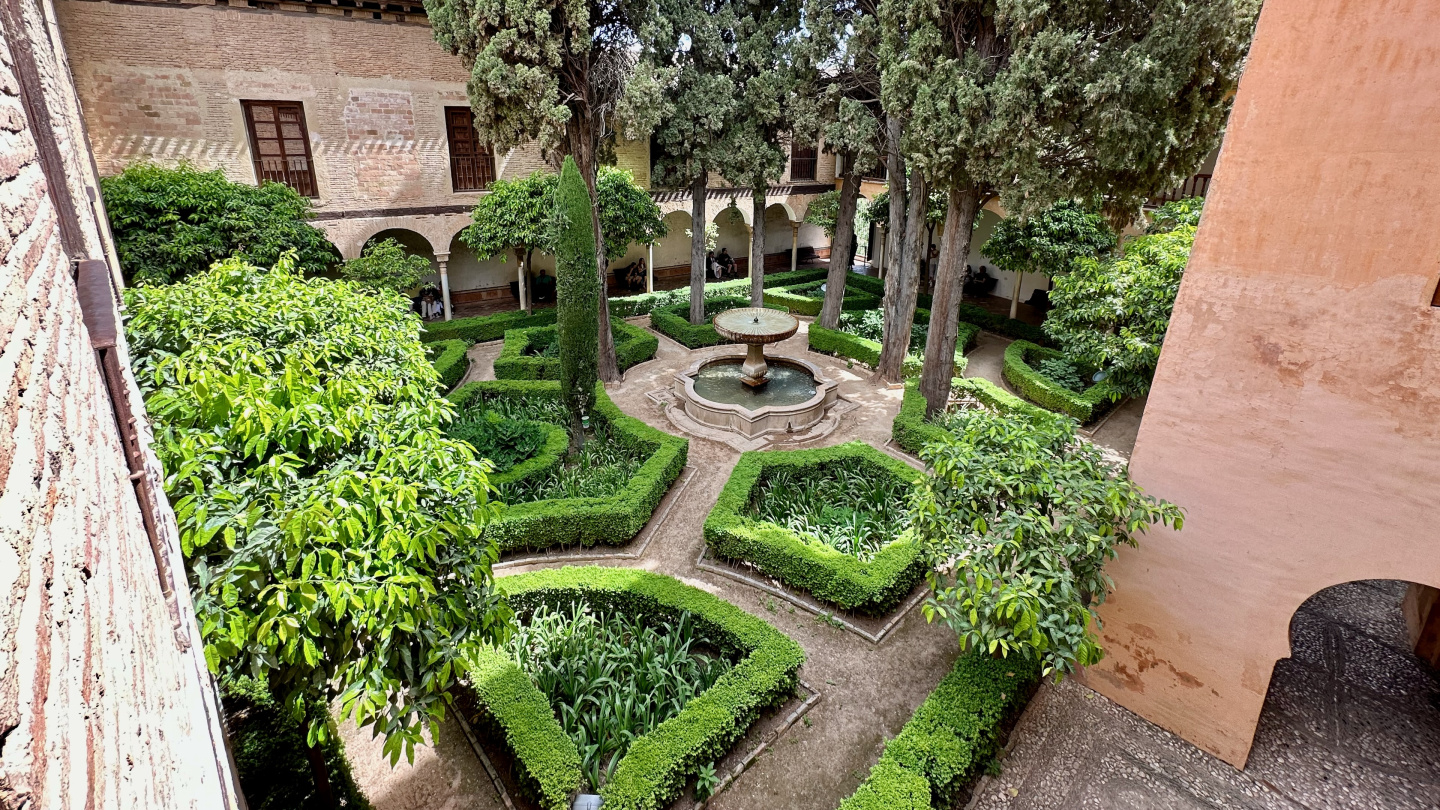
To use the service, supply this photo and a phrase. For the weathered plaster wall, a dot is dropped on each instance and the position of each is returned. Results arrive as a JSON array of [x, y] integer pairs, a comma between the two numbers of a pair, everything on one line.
[[1294, 412], [104, 699]]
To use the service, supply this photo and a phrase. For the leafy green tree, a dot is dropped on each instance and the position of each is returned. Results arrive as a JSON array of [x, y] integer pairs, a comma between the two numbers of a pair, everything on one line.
[[823, 211], [628, 214], [385, 265], [1048, 242], [1112, 314], [170, 223], [332, 532], [691, 51], [561, 74], [576, 291], [1106, 103], [1018, 518], [1175, 213]]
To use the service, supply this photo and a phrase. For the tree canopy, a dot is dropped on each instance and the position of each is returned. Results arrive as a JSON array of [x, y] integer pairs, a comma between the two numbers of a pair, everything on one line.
[[1112, 314], [1048, 242], [1175, 213], [332, 532], [628, 214], [1018, 518], [385, 265], [173, 222]]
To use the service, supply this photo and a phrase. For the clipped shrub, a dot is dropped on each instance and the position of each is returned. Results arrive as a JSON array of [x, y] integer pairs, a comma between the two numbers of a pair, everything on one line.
[[633, 345], [871, 586], [674, 322], [911, 431], [485, 327], [450, 359], [657, 766], [1026, 378], [954, 734], [645, 303], [583, 521], [806, 299], [864, 350]]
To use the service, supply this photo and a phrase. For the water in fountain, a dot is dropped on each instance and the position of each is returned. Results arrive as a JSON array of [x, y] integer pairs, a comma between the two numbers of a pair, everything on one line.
[[785, 385]]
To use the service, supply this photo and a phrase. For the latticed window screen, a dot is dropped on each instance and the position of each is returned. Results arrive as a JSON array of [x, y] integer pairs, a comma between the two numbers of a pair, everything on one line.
[[802, 162], [472, 166], [280, 144]]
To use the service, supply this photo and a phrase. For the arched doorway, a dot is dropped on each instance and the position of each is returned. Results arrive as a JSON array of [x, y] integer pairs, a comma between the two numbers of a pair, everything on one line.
[[430, 287], [733, 237], [1353, 709], [671, 262]]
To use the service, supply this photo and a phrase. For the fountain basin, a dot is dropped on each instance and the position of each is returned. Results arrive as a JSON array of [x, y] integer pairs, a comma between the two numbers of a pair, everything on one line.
[[714, 393]]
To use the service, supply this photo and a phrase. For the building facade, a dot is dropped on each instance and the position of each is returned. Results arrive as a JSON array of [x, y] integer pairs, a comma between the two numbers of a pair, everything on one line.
[[356, 106]]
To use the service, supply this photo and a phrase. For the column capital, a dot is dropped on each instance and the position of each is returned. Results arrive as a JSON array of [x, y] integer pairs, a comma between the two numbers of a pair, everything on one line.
[[442, 257]]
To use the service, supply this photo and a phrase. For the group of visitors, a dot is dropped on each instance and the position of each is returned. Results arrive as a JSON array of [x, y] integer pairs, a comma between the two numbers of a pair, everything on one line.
[[720, 266], [429, 304]]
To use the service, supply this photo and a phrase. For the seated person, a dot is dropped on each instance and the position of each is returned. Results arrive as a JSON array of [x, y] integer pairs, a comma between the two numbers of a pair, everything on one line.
[[544, 287], [725, 264], [632, 275]]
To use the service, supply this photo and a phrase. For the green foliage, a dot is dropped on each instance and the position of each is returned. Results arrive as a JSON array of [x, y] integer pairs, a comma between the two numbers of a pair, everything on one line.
[[706, 781], [611, 677], [522, 357], [807, 299], [911, 431], [385, 265], [484, 328], [1176, 213], [1028, 514], [969, 314], [172, 222], [823, 210], [333, 534], [560, 522], [505, 443], [871, 585], [878, 212], [628, 214], [602, 469], [450, 359], [866, 350], [1062, 371], [577, 293], [950, 739], [658, 764], [674, 322], [841, 507], [1113, 314], [1050, 241], [1021, 359], [270, 757]]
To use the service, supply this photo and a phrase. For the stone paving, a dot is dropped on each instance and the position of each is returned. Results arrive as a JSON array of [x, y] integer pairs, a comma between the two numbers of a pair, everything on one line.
[[1073, 748]]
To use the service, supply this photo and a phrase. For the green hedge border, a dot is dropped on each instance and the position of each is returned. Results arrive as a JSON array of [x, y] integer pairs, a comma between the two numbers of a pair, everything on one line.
[[674, 322], [1041, 390], [954, 734], [871, 588], [864, 350], [969, 313], [855, 300], [450, 359], [658, 765], [585, 521], [911, 432], [633, 346]]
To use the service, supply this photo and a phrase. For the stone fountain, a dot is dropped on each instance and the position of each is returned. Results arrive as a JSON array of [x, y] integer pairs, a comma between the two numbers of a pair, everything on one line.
[[754, 396]]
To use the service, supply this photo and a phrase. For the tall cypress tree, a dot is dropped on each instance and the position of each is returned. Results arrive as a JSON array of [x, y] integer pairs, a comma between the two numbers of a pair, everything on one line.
[[1104, 102], [577, 296]]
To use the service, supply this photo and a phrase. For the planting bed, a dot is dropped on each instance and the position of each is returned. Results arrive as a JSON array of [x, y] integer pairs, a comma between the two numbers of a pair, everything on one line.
[[625, 470], [1041, 376], [807, 299], [534, 353], [688, 676], [829, 522], [911, 431]]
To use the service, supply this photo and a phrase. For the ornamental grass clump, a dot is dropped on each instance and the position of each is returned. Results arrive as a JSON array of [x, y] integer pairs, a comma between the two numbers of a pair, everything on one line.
[[844, 509], [612, 677]]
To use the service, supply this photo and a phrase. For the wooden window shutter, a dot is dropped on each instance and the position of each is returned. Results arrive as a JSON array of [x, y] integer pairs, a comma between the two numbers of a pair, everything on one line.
[[472, 165], [802, 162], [280, 144]]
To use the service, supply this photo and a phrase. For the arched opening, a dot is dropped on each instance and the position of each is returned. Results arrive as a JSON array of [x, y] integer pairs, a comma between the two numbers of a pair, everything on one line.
[[733, 239], [428, 297], [1354, 707], [782, 238], [483, 286], [672, 253]]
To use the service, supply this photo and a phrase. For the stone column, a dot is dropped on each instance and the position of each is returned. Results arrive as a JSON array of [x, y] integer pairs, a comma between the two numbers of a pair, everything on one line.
[[794, 245], [880, 249], [650, 268], [441, 259], [523, 271]]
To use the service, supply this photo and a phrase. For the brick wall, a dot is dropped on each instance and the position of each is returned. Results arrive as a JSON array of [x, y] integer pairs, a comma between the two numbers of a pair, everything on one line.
[[104, 697]]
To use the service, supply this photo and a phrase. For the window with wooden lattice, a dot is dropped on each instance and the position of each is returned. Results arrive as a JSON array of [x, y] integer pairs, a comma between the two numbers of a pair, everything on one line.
[[472, 164], [280, 144], [802, 161]]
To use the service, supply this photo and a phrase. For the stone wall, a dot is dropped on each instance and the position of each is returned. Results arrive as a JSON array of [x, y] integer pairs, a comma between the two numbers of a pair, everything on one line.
[[104, 696]]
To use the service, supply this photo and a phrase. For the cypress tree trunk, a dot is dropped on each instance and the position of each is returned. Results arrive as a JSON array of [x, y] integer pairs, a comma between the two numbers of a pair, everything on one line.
[[842, 246], [698, 189], [960, 213], [757, 246], [900, 308]]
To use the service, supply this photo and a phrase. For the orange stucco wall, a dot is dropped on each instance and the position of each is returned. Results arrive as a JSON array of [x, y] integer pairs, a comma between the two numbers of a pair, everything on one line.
[[1296, 412]]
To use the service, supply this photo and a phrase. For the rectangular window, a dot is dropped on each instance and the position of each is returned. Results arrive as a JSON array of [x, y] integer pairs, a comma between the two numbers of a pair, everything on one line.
[[472, 166], [802, 162], [280, 144]]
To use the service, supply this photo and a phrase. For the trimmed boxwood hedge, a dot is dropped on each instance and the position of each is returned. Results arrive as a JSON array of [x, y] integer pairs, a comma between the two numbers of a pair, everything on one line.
[[646, 303], [969, 313], [855, 299], [674, 322], [659, 764], [1041, 390], [584, 521], [952, 736], [864, 350], [485, 327], [840, 579], [450, 360], [633, 345], [911, 432]]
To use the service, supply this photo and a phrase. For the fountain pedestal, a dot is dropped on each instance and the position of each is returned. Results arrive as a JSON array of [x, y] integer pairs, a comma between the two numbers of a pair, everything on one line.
[[754, 369], [755, 327]]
